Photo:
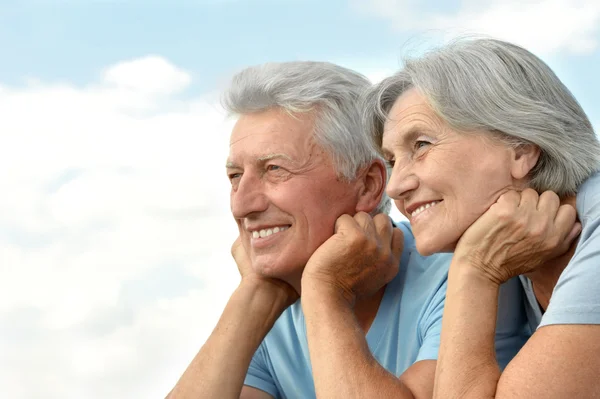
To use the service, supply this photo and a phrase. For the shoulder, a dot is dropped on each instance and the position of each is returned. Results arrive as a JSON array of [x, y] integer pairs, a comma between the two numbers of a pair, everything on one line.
[[588, 199], [576, 299]]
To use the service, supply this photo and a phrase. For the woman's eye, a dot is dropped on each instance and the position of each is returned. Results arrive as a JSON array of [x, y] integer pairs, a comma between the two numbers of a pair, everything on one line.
[[419, 144]]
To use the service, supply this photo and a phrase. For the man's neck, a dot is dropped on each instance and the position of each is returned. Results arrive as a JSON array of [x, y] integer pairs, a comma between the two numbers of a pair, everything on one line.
[[546, 277], [366, 309]]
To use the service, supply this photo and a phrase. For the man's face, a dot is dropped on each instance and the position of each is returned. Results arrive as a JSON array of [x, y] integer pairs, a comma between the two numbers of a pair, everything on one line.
[[285, 194]]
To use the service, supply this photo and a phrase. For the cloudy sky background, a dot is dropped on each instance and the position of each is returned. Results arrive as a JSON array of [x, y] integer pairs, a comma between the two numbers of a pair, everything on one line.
[[114, 215]]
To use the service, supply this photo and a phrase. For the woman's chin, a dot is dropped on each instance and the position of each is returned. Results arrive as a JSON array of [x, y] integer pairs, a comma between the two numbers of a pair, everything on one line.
[[429, 247]]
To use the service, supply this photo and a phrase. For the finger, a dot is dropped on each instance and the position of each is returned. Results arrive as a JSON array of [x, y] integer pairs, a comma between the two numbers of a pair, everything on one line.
[[575, 231], [549, 203], [529, 199], [365, 222], [236, 246], [344, 224], [510, 198], [565, 220], [383, 226]]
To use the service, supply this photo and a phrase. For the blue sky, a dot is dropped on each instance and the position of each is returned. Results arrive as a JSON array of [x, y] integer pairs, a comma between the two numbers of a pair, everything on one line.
[[114, 218], [70, 39]]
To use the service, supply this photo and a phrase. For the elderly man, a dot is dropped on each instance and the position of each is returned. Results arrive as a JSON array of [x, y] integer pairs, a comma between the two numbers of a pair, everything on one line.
[[307, 193]]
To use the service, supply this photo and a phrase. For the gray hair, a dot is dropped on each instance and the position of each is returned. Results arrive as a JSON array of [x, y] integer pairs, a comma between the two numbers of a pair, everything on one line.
[[491, 85], [331, 91]]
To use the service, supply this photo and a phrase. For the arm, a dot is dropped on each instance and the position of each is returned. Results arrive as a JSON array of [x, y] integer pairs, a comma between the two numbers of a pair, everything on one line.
[[219, 368], [357, 261], [558, 361], [514, 237], [343, 366]]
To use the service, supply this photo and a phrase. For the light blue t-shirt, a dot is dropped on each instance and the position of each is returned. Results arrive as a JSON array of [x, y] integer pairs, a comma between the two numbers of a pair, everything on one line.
[[405, 330], [576, 297]]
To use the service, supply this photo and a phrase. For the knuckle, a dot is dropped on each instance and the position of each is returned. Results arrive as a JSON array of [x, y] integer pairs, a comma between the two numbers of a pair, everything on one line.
[[537, 231], [371, 246], [509, 196], [549, 196], [529, 192], [360, 240], [361, 216], [503, 213], [553, 242]]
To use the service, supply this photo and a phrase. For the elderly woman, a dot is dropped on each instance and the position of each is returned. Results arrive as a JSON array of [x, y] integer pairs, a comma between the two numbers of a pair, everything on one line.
[[474, 132]]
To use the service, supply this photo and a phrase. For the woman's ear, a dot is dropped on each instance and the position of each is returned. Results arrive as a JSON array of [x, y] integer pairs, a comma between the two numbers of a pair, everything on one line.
[[372, 187], [525, 157]]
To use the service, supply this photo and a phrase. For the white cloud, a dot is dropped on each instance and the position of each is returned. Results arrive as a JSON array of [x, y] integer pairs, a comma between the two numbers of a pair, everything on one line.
[[543, 26], [114, 233], [151, 74]]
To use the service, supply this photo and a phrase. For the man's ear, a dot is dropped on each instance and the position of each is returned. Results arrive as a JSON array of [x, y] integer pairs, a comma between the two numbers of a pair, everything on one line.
[[372, 186], [525, 157]]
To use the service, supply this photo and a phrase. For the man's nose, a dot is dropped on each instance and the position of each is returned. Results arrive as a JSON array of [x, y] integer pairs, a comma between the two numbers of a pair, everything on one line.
[[249, 197]]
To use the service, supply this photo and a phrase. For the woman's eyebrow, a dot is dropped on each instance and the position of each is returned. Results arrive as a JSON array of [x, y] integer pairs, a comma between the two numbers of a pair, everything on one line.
[[410, 135]]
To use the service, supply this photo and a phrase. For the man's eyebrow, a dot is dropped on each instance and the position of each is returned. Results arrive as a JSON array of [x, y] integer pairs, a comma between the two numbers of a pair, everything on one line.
[[264, 158], [268, 157]]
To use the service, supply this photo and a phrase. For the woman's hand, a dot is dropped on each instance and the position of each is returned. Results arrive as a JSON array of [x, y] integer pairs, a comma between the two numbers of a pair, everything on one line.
[[518, 234]]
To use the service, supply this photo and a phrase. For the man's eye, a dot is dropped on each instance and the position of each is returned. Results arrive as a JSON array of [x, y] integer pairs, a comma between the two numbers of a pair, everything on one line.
[[233, 176], [273, 167], [390, 163]]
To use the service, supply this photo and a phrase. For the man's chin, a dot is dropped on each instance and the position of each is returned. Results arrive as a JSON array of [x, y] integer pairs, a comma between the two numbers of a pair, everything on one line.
[[288, 273]]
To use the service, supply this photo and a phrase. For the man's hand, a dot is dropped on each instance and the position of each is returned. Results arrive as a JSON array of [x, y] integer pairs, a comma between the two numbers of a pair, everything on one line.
[[249, 276], [360, 258], [518, 234]]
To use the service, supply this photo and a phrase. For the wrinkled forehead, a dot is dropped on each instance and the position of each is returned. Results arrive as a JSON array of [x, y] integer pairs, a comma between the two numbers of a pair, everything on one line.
[[272, 134], [275, 124], [410, 110]]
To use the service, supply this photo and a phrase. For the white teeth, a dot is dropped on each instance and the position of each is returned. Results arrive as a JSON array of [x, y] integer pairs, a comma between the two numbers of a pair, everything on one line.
[[423, 207], [267, 232]]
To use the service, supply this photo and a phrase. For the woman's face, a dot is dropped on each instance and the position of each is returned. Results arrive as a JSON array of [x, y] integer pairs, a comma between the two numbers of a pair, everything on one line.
[[442, 180]]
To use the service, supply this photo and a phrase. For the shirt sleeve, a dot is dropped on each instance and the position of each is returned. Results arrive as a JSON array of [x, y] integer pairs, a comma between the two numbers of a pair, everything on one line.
[[431, 325], [258, 375], [576, 297]]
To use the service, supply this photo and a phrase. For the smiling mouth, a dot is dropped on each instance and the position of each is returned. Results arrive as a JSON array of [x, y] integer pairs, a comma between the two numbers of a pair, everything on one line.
[[423, 207], [268, 232]]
